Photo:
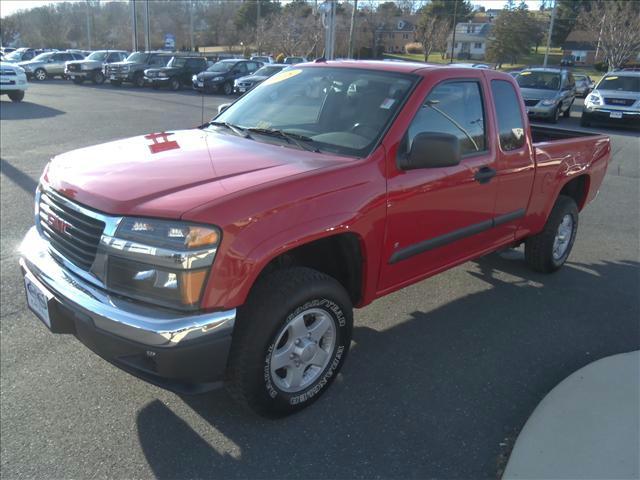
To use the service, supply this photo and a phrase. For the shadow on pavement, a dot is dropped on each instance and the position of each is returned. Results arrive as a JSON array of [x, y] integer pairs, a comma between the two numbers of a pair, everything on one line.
[[442, 394], [26, 111], [17, 176]]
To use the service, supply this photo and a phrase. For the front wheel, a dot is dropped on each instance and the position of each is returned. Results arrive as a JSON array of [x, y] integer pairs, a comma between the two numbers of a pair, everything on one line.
[[77, 80], [289, 342], [227, 88], [97, 77], [175, 84], [547, 251], [567, 112], [138, 81], [555, 116], [16, 96]]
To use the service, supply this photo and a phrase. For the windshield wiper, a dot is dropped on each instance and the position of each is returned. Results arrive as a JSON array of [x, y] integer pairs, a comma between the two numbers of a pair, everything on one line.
[[234, 128], [301, 141]]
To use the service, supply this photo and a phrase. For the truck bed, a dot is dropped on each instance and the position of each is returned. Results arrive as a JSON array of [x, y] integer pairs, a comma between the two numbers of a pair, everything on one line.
[[549, 134]]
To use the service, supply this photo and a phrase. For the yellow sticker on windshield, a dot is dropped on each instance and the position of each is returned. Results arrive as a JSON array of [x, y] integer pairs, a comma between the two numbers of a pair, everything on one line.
[[525, 73], [610, 78], [285, 75]]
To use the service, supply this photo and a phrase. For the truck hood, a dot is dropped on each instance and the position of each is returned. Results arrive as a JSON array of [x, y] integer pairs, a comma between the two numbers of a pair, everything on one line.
[[166, 176], [89, 64]]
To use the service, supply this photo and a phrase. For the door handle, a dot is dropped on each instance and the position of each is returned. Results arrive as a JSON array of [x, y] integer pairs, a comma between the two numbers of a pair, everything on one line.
[[484, 174]]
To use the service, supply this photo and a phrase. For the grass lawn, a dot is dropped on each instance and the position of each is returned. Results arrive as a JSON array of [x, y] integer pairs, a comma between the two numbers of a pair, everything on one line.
[[533, 59]]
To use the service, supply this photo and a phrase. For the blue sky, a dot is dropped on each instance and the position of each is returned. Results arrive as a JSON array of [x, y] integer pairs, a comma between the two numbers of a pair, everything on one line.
[[7, 7]]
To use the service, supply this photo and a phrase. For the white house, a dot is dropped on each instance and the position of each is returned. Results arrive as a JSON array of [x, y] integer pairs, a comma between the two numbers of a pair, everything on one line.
[[471, 41]]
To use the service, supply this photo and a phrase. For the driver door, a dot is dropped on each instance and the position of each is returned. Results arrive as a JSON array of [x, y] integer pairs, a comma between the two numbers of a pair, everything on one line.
[[437, 217]]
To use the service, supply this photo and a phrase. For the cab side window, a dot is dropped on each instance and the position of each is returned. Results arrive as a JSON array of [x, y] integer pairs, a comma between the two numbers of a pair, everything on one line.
[[509, 116], [454, 108]]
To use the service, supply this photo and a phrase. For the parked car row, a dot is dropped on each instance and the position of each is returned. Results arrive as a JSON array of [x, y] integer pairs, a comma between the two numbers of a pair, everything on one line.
[[550, 92]]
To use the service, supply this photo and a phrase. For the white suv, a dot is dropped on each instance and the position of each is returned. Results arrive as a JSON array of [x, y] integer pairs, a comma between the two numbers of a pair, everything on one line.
[[13, 81]]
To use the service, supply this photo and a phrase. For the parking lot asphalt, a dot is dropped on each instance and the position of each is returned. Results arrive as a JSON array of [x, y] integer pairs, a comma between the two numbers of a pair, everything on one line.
[[440, 380]]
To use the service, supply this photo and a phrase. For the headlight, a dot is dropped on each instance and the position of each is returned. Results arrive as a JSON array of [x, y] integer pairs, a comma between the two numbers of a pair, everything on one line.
[[594, 99], [549, 101], [19, 69], [162, 261], [194, 78], [235, 82], [217, 79], [125, 68]]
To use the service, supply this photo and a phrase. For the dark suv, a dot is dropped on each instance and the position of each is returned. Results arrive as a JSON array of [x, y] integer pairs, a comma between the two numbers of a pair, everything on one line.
[[220, 76], [132, 69], [178, 72]]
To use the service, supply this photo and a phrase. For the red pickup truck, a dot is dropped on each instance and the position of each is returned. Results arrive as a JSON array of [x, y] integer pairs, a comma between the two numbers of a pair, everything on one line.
[[234, 253]]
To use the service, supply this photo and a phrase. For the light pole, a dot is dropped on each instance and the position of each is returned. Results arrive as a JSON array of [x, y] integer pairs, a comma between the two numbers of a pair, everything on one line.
[[553, 17], [134, 27]]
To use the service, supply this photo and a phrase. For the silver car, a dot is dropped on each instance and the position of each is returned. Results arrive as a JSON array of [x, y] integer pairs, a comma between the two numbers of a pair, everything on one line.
[[615, 100], [92, 67], [50, 64], [584, 85], [547, 92]]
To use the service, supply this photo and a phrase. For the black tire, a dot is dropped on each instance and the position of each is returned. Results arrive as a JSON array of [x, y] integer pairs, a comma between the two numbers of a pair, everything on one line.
[[556, 115], [155, 86], [97, 78], [567, 112], [227, 88], [115, 83], [175, 84], [78, 80], [584, 121], [539, 249], [275, 300], [40, 74], [138, 80], [16, 96]]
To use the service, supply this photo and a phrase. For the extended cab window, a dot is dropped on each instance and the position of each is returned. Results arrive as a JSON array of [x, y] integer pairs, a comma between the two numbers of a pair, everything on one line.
[[454, 108], [508, 114]]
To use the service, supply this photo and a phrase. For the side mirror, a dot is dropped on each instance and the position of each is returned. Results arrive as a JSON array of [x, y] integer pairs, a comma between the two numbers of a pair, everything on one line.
[[223, 107], [432, 150]]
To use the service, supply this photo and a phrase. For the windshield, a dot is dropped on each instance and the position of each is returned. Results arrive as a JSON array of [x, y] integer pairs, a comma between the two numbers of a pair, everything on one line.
[[136, 57], [42, 57], [221, 67], [17, 55], [620, 83], [177, 62], [268, 71], [539, 80], [340, 110], [97, 56]]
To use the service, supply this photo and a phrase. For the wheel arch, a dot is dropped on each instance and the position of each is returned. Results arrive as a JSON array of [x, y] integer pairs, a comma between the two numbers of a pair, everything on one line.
[[577, 188]]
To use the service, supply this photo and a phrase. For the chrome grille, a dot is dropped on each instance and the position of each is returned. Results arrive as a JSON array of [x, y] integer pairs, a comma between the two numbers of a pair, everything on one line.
[[73, 67], [71, 233], [626, 102], [7, 72]]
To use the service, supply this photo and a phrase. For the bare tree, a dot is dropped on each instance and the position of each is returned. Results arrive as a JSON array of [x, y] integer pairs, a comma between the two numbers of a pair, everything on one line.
[[616, 26], [432, 34]]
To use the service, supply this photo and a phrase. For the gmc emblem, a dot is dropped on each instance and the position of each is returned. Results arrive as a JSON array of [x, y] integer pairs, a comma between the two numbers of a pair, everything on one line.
[[57, 223]]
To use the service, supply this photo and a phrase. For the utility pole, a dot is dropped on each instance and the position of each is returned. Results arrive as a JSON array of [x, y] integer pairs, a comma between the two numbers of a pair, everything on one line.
[[352, 28], [134, 27], [146, 26], [258, 45], [453, 38], [553, 17], [191, 24], [88, 25], [595, 58]]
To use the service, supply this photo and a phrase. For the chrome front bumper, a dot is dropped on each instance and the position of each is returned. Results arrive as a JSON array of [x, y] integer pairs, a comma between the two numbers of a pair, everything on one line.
[[132, 321]]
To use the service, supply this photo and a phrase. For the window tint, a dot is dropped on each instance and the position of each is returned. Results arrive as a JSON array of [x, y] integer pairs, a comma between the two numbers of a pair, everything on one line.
[[509, 117], [453, 108]]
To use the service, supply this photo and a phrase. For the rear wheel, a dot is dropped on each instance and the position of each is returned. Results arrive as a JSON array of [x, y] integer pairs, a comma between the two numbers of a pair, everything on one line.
[[16, 96], [40, 74], [547, 251], [98, 77], [289, 342]]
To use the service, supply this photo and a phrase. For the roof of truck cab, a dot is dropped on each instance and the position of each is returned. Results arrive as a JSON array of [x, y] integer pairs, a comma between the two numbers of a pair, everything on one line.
[[400, 67]]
